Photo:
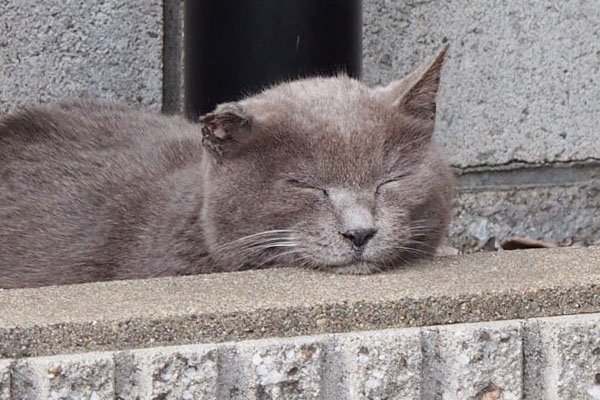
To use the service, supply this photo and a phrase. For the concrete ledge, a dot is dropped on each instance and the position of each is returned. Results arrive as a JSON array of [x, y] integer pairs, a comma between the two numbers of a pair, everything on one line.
[[293, 302]]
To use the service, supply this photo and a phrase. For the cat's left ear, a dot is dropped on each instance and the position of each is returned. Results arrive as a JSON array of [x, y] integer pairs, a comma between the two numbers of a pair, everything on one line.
[[415, 95], [225, 129]]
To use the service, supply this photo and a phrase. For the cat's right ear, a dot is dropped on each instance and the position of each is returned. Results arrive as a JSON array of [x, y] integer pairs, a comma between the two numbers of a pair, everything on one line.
[[225, 129]]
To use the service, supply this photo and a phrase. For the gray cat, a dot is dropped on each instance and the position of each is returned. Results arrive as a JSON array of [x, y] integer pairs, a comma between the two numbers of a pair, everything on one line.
[[321, 173]]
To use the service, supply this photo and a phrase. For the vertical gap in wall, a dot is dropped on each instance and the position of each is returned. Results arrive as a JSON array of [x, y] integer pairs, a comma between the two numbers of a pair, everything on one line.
[[12, 381], [116, 376], [552, 360], [540, 375], [9, 381], [232, 375], [532, 362], [335, 375], [525, 373], [173, 80], [431, 365]]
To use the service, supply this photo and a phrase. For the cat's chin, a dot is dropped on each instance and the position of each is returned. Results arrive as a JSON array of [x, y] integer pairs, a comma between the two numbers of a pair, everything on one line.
[[357, 268]]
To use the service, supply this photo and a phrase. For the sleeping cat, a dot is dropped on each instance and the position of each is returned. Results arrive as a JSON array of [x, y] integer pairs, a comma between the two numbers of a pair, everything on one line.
[[321, 173]]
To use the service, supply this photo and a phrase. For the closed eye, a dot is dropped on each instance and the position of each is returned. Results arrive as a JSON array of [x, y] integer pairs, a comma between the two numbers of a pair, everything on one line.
[[395, 179], [307, 186]]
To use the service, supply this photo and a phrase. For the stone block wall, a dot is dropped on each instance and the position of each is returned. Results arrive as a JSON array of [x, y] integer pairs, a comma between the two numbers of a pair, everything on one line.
[[536, 359], [517, 108]]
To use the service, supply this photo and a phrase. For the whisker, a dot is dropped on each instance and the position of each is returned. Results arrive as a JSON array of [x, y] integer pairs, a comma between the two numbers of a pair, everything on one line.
[[255, 235], [304, 259], [411, 249], [274, 257], [421, 243], [257, 250], [246, 250], [243, 250], [274, 245], [420, 229], [272, 240]]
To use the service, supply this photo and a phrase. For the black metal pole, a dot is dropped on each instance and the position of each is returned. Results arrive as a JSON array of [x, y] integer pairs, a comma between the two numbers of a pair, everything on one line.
[[237, 47]]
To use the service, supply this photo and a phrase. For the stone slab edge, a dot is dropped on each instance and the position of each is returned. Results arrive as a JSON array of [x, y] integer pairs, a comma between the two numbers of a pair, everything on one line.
[[291, 302]]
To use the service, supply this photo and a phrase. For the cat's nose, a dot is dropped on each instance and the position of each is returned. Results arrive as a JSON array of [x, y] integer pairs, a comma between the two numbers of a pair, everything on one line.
[[359, 237]]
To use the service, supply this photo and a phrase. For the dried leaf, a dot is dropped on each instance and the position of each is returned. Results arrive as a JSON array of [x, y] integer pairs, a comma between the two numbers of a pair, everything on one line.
[[517, 243], [491, 245]]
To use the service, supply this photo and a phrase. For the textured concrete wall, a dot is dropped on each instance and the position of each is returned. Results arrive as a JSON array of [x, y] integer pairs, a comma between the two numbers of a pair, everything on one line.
[[545, 359], [63, 48], [558, 213], [522, 82]]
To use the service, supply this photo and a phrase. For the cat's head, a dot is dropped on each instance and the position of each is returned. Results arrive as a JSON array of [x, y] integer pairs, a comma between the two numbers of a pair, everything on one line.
[[327, 173]]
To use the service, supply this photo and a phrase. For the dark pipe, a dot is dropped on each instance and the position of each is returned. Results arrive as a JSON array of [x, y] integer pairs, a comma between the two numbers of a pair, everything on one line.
[[235, 48]]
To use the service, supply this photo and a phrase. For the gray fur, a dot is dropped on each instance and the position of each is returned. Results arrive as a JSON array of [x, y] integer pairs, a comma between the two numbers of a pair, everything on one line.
[[93, 191]]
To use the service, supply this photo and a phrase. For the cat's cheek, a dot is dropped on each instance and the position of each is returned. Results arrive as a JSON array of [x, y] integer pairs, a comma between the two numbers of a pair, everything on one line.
[[390, 198], [393, 222], [320, 239], [300, 205], [404, 196]]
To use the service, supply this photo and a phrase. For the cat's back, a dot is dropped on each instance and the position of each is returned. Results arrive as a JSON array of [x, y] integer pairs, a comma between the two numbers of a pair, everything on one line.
[[69, 172], [76, 126], [85, 142]]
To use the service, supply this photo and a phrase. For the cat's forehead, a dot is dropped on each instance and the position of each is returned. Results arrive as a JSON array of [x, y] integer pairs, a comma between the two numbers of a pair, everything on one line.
[[335, 126], [338, 105]]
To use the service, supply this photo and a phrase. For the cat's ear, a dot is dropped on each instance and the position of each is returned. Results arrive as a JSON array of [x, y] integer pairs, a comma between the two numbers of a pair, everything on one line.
[[225, 129], [415, 95]]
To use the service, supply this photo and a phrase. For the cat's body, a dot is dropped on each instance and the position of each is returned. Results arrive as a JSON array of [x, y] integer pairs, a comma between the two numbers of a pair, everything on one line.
[[323, 173], [105, 200]]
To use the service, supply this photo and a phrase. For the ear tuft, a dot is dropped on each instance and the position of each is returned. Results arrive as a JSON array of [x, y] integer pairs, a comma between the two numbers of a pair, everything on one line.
[[416, 93], [225, 127], [419, 100]]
